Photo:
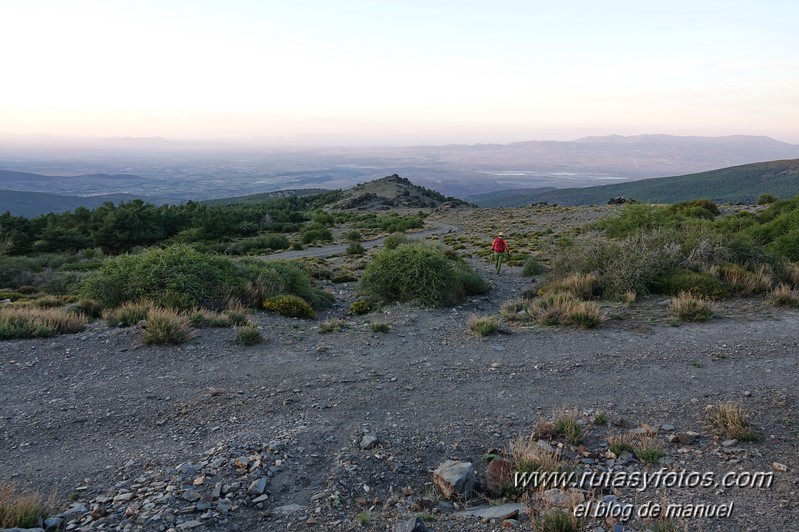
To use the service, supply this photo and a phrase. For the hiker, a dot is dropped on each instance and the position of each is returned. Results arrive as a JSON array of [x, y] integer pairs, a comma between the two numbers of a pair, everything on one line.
[[501, 249]]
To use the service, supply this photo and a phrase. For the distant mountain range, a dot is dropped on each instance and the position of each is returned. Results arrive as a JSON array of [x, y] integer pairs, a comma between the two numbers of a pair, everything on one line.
[[728, 185], [32, 204]]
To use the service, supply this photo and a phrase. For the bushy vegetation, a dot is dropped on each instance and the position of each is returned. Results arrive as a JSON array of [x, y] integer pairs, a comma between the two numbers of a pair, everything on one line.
[[484, 325], [289, 306], [394, 240], [182, 278], [166, 327], [683, 248], [21, 509], [248, 335], [128, 314], [531, 267], [420, 273], [731, 420], [360, 307], [687, 307], [561, 308], [30, 322]]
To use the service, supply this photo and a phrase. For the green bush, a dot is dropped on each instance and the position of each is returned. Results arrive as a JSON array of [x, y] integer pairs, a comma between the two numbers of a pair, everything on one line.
[[700, 284], [394, 240], [248, 335], [86, 307], [360, 307], [484, 325], [290, 306], [166, 327], [419, 273], [355, 249], [182, 278], [766, 199], [128, 314], [531, 267], [13, 296], [380, 327], [343, 276], [315, 232]]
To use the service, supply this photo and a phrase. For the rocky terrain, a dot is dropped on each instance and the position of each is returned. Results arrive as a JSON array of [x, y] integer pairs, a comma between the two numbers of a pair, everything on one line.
[[344, 430]]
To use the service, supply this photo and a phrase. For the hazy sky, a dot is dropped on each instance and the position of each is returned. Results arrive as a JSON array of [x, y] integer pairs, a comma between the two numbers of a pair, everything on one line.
[[399, 71]]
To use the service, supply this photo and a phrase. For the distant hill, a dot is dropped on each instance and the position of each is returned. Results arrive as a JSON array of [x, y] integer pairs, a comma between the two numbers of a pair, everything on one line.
[[728, 185], [391, 191], [266, 196], [514, 197], [32, 204]]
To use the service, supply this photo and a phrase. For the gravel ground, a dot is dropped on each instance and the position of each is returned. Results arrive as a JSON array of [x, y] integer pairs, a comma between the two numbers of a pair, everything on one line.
[[97, 414]]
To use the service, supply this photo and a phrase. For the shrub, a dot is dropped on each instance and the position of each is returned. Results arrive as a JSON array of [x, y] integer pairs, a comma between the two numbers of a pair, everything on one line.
[[46, 302], [587, 315], [207, 318], [620, 444], [394, 240], [380, 327], [238, 314], [686, 307], [566, 425], [128, 314], [419, 273], [290, 306], [315, 232], [20, 509], [553, 309], [296, 246], [166, 327], [86, 307], [333, 325], [514, 310], [26, 322], [701, 284], [531, 267], [360, 307], [558, 521], [353, 236], [344, 276], [731, 421], [579, 285], [248, 335], [355, 249], [744, 281], [648, 450], [783, 296], [766, 199], [484, 325], [701, 208], [528, 456]]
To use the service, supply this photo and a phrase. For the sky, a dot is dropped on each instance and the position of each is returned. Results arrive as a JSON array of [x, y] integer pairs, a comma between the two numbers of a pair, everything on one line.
[[399, 71]]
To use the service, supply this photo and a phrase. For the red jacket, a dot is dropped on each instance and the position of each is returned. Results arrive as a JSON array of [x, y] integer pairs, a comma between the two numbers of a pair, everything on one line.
[[499, 245]]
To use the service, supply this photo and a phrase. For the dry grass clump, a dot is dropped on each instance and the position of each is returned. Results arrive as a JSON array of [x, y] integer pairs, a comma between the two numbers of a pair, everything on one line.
[[514, 310], [166, 327], [128, 314], [565, 309], [783, 296], [484, 325], [620, 443], [28, 322], [578, 285], [335, 324], [557, 521], [248, 335], [790, 273], [687, 307], [744, 281], [566, 425], [730, 419], [528, 456], [208, 318], [21, 509], [237, 313], [647, 448]]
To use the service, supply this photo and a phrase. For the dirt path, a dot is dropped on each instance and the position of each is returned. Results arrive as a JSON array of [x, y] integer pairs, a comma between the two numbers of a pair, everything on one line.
[[98, 410], [437, 228]]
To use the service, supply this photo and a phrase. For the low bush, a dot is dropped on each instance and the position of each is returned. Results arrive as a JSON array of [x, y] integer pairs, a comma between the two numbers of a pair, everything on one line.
[[11, 295], [166, 327], [290, 306], [419, 273], [514, 310], [566, 425], [394, 240], [207, 318], [531, 267], [238, 314], [248, 335], [743, 281], [766, 199], [344, 276], [731, 420], [784, 296], [484, 325], [557, 521], [86, 307], [21, 509], [314, 232], [355, 249], [587, 315], [581, 286], [336, 324], [28, 322], [687, 307], [565, 309], [380, 327], [360, 307], [127, 314], [700, 284]]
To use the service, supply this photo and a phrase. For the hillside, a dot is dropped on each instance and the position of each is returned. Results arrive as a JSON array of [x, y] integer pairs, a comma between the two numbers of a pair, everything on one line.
[[32, 204], [265, 196], [515, 197], [727, 185], [391, 191]]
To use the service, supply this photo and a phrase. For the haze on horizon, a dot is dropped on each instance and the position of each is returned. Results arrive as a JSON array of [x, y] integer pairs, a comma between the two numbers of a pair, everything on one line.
[[412, 72]]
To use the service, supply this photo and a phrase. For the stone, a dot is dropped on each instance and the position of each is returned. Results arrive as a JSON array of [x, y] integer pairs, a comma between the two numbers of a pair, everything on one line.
[[667, 427], [189, 525], [205, 503], [501, 512], [455, 479], [260, 498], [546, 446], [53, 523], [413, 524], [558, 498], [287, 509], [781, 468], [217, 490], [729, 443], [224, 505], [191, 495], [257, 487], [368, 441], [498, 474], [123, 497]]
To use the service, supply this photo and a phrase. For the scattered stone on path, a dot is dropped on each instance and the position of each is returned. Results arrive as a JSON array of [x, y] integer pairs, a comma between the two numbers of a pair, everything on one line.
[[413, 524], [455, 479], [368, 441], [501, 512]]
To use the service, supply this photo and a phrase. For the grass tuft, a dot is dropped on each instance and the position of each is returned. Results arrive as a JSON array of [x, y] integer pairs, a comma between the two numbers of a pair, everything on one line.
[[166, 327], [686, 307], [28, 322], [21, 509], [730, 419], [380, 327], [484, 325], [248, 335], [783, 296]]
